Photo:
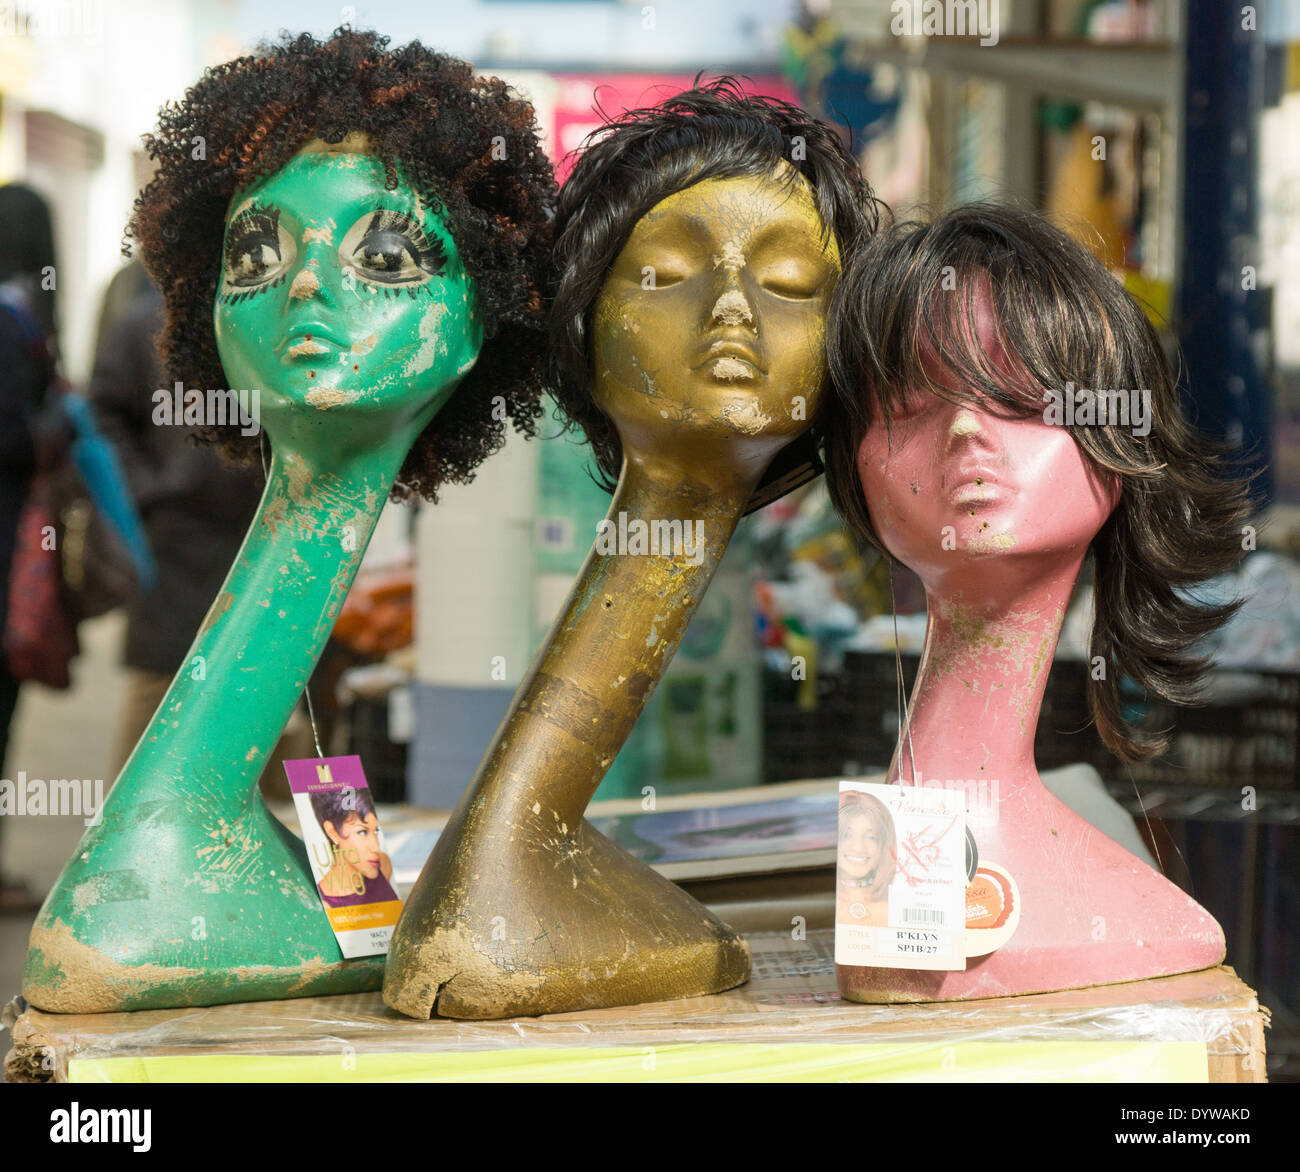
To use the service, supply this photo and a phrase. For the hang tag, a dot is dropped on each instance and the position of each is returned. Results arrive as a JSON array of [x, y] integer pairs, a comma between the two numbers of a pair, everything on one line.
[[901, 877], [346, 849]]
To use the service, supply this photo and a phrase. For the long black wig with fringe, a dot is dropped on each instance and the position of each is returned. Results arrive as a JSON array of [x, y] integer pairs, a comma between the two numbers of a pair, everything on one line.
[[1063, 318]]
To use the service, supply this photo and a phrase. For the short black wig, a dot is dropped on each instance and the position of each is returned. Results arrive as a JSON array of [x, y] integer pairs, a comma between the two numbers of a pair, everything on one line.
[[638, 159], [336, 806], [465, 143], [1064, 319]]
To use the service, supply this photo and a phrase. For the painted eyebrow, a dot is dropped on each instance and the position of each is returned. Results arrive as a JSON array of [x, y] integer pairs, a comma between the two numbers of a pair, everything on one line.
[[254, 211]]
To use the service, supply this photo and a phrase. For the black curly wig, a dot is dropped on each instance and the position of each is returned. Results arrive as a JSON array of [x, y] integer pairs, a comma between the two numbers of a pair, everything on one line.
[[245, 119], [640, 158]]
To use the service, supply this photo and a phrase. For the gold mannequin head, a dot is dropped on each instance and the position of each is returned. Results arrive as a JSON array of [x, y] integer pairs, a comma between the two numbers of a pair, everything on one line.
[[696, 245], [711, 325]]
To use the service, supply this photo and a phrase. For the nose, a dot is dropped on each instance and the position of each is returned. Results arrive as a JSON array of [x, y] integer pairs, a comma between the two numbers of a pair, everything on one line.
[[732, 307], [307, 284], [965, 424], [310, 282]]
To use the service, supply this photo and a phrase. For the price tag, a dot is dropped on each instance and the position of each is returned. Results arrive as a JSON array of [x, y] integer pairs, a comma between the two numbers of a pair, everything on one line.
[[901, 877], [346, 849]]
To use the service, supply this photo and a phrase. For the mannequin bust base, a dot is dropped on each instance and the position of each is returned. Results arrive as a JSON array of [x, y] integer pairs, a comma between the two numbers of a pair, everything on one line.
[[582, 925], [117, 952]]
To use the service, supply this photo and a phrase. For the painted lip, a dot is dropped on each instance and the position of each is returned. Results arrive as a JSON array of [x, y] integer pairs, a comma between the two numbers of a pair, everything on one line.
[[974, 482], [730, 348], [308, 340]]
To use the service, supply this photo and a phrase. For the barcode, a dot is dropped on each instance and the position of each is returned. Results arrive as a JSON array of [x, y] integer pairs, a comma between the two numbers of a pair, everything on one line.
[[923, 915]]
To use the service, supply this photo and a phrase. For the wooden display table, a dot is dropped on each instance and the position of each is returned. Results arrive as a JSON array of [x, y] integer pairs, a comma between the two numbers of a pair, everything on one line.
[[786, 1024]]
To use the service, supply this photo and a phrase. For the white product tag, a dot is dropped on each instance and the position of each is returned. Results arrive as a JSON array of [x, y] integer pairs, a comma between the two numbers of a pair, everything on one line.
[[900, 891]]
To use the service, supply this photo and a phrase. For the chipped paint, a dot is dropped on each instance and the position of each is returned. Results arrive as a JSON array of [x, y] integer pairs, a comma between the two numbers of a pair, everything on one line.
[[305, 285], [730, 369], [747, 417], [433, 340], [732, 309], [732, 256], [992, 543], [323, 398], [219, 606]]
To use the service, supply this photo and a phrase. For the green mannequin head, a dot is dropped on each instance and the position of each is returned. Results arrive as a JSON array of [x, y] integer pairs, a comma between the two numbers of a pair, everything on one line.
[[393, 200], [338, 292]]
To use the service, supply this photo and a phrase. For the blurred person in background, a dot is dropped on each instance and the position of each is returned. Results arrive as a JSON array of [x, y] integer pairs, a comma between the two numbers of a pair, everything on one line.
[[35, 433]]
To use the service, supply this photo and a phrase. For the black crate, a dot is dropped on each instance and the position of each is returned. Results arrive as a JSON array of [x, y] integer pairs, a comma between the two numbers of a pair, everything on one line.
[[383, 760], [869, 698], [1251, 741]]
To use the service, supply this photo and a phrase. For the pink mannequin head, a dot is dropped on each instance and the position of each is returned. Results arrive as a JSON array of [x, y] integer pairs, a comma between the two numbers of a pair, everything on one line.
[[1011, 493], [960, 350]]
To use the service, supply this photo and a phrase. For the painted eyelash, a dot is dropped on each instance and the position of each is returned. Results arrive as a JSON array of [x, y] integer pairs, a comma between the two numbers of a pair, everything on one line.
[[235, 297], [433, 257], [260, 218], [412, 291]]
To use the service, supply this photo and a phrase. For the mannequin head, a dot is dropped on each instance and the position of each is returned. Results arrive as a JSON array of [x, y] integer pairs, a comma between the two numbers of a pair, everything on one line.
[[1014, 495], [697, 244], [952, 343], [270, 166], [337, 290]]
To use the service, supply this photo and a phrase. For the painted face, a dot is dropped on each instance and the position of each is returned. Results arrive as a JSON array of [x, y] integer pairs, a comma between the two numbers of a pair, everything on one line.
[[951, 483], [341, 295], [860, 845], [358, 843], [713, 316]]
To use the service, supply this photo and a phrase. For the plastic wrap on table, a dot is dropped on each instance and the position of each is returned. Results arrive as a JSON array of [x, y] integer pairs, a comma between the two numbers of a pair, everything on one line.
[[786, 1024]]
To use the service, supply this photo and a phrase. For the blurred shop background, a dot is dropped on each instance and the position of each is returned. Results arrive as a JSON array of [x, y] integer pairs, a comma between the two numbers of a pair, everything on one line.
[[1166, 133]]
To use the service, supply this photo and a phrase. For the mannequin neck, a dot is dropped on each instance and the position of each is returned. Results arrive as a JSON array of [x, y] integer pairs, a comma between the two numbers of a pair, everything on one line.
[[984, 667], [257, 647]]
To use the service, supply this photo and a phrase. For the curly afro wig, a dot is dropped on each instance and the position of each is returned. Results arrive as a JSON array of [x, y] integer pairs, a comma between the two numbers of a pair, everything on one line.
[[464, 142], [641, 157]]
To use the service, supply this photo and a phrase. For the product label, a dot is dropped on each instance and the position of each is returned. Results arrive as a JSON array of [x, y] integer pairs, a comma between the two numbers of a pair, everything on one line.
[[901, 877], [992, 909], [346, 848]]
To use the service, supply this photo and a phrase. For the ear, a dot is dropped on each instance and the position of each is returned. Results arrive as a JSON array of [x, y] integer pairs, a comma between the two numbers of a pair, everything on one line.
[[332, 833]]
